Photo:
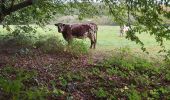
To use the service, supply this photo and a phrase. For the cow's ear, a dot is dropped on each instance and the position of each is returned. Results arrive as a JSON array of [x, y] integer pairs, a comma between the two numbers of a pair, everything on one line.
[[63, 24], [56, 24]]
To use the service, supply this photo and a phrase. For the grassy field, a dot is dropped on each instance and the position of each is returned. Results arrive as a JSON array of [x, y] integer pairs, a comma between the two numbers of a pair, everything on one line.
[[108, 39]]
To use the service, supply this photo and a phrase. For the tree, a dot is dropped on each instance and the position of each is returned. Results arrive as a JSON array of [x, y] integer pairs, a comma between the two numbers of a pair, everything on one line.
[[41, 11], [143, 16]]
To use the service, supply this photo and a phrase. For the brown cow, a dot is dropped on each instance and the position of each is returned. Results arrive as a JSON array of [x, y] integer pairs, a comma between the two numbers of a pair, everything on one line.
[[94, 26], [70, 31]]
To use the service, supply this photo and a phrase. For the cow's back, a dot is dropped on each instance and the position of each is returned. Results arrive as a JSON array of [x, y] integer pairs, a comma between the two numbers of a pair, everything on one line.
[[80, 30]]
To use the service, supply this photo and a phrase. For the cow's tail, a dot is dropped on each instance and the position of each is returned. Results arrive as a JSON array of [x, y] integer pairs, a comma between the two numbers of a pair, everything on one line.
[[96, 33]]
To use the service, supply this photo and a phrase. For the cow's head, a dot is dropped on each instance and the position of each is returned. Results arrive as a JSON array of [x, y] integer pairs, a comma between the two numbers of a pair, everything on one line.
[[60, 27]]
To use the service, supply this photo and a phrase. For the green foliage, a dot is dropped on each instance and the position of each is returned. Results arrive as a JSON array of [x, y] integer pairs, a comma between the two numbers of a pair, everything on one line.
[[142, 16], [73, 76], [101, 93], [40, 13], [55, 91], [167, 76], [166, 70], [36, 93], [11, 87], [134, 95], [16, 83], [96, 71], [50, 44], [160, 92], [78, 48], [21, 36], [131, 77], [12, 83], [63, 81]]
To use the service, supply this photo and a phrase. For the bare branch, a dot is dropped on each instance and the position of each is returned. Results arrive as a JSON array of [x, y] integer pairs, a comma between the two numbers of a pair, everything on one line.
[[12, 4]]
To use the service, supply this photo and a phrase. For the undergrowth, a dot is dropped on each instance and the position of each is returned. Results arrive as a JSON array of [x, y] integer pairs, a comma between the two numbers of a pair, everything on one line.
[[47, 43], [122, 76], [125, 75]]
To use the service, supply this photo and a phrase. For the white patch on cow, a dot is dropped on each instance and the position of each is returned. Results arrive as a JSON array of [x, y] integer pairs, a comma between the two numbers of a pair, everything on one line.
[[123, 29]]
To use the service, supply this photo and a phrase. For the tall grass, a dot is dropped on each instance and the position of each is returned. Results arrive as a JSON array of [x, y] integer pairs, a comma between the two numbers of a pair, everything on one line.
[[78, 48]]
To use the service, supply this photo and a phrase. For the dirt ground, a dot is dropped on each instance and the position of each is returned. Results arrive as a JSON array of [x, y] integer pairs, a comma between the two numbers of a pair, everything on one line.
[[48, 64]]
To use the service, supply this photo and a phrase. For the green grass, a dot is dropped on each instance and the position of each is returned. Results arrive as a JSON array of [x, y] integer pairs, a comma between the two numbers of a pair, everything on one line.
[[108, 39]]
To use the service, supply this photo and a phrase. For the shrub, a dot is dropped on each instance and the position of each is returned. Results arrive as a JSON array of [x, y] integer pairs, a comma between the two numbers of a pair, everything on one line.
[[101, 93], [13, 84], [133, 95], [50, 44], [78, 48], [16, 84], [148, 78], [21, 36]]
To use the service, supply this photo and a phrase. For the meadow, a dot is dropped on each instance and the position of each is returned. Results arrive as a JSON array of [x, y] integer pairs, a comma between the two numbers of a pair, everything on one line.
[[108, 39]]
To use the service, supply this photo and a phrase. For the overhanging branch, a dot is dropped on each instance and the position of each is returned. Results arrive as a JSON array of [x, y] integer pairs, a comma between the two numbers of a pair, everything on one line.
[[16, 7]]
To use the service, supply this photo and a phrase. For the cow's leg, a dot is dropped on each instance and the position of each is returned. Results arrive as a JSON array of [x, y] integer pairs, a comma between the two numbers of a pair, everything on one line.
[[69, 41], [91, 41], [120, 33], [95, 39], [92, 44], [90, 36]]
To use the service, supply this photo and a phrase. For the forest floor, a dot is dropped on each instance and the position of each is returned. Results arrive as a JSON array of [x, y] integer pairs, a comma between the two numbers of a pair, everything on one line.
[[83, 77], [51, 66]]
